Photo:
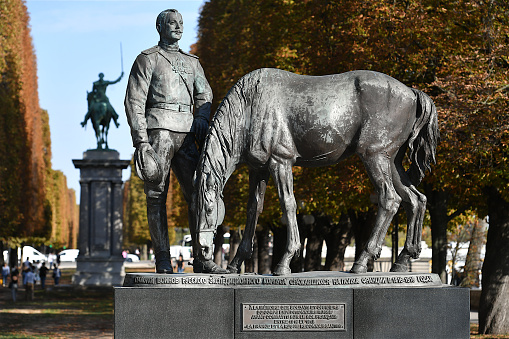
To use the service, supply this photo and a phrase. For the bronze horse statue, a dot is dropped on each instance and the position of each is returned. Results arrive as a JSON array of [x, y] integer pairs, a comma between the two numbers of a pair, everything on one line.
[[272, 120], [100, 116]]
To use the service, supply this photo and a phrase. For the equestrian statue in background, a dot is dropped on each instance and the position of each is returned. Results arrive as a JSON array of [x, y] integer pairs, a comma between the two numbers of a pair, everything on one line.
[[100, 111]]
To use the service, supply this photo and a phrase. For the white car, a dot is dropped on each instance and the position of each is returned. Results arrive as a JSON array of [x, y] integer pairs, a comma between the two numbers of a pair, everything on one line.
[[69, 255], [31, 254], [132, 258]]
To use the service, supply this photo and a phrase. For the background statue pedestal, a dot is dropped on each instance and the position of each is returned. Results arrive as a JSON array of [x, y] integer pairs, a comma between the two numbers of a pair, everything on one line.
[[304, 305], [100, 262]]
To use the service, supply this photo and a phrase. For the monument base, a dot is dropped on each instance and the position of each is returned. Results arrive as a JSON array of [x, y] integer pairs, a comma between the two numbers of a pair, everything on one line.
[[99, 272], [305, 305]]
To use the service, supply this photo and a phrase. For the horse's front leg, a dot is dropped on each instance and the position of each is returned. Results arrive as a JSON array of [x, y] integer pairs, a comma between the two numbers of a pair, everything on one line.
[[257, 185], [281, 171]]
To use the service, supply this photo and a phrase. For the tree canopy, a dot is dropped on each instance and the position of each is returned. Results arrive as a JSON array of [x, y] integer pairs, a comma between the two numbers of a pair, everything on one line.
[[35, 202]]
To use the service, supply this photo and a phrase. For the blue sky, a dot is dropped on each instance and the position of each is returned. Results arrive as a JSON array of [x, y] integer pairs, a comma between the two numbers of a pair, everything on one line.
[[76, 40]]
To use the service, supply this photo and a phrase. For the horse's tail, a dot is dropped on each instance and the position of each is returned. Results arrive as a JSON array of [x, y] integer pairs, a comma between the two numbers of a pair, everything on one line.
[[424, 138]]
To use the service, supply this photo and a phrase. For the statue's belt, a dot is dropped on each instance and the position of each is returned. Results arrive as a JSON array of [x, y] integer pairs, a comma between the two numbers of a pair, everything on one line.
[[173, 107]]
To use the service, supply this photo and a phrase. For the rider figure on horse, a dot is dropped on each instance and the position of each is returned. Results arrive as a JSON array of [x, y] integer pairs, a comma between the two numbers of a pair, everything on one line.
[[98, 94], [100, 110]]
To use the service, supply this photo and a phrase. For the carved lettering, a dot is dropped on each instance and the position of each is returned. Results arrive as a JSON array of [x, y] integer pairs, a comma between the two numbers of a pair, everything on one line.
[[193, 280], [293, 317]]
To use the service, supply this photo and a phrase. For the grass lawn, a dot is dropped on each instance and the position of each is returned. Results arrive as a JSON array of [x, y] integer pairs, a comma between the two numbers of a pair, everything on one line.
[[474, 328], [57, 312]]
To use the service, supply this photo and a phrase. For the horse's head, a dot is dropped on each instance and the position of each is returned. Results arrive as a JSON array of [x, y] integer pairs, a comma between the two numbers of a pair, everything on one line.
[[207, 204]]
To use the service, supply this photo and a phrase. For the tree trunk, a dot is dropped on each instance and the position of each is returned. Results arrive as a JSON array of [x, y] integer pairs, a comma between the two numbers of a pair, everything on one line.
[[234, 242], [144, 252], [473, 260], [263, 238], [1, 253], [13, 257], [362, 223], [494, 303], [437, 205], [313, 260], [337, 239], [218, 245]]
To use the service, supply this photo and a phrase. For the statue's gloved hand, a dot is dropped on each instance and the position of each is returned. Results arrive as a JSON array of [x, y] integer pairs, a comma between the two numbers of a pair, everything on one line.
[[142, 149], [147, 163], [199, 128]]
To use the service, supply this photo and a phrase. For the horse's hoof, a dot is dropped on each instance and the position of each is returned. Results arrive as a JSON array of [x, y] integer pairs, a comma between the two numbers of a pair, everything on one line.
[[358, 268], [232, 269], [207, 266], [282, 270], [396, 267]]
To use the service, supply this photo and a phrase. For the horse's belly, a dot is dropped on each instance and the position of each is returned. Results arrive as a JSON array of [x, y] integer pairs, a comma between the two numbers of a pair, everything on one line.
[[323, 145]]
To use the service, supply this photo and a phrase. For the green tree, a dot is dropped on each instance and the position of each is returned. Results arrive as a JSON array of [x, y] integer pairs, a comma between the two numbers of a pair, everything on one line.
[[135, 212]]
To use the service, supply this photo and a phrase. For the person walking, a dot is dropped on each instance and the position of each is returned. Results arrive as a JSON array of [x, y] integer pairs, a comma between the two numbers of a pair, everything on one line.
[[180, 264], [56, 275], [29, 283], [43, 271], [13, 285], [5, 274]]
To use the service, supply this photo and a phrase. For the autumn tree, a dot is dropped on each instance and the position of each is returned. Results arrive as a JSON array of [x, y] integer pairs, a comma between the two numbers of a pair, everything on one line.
[[136, 231], [27, 198], [454, 51]]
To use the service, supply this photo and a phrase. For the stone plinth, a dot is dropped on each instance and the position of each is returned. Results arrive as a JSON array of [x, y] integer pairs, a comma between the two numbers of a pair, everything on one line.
[[305, 305], [100, 261]]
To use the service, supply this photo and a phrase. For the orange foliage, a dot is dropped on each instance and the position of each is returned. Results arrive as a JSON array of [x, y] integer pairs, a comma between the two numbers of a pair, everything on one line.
[[24, 134]]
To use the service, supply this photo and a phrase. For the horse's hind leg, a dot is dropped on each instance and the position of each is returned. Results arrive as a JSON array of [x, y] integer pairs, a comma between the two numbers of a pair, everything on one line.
[[379, 171], [97, 129], [281, 171], [257, 185], [105, 136], [414, 203]]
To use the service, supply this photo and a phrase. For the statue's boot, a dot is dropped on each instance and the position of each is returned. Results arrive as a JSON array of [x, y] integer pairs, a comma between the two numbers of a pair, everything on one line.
[[163, 262], [203, 262], [158, 227]]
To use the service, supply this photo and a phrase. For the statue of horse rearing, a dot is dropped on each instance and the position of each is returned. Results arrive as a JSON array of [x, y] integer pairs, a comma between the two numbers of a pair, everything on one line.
[[273, 120]]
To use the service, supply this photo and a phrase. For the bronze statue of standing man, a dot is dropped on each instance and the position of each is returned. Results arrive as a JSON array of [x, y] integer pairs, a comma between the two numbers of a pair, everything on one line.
[[165, 87]]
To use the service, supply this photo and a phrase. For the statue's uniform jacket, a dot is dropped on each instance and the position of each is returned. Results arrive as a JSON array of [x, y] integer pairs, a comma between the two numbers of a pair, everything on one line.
[[159, 92], [164, 85]]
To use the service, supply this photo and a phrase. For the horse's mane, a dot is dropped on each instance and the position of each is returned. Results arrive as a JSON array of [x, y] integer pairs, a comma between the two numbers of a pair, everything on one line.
[[225, 141]]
